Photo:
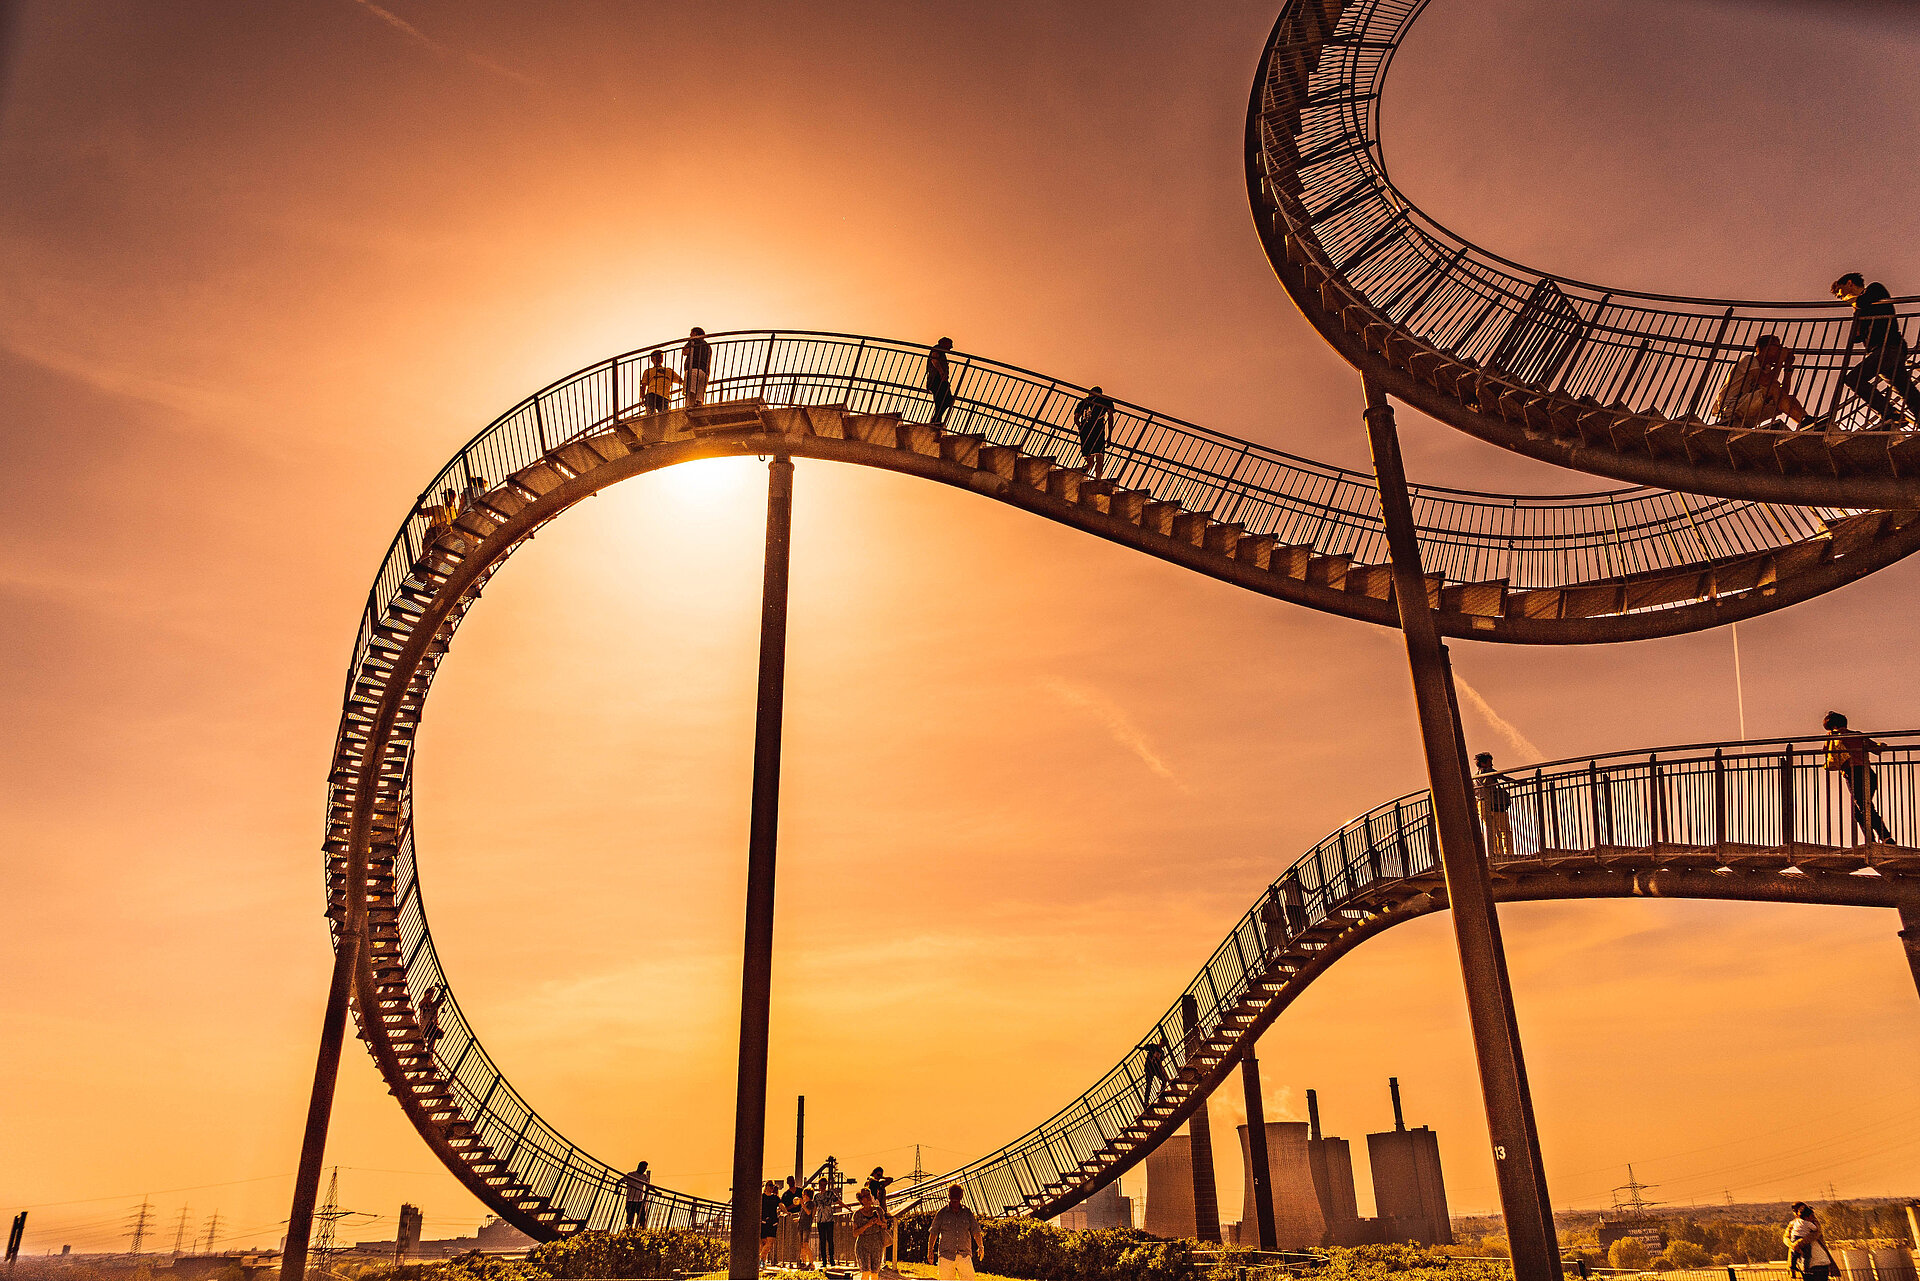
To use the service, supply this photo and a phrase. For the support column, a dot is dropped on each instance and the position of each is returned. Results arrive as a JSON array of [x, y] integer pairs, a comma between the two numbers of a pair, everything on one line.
[[1476, 929], [1206, 1191], [756, 970], [1910, 935], [1262, 1174], [326, 1074]]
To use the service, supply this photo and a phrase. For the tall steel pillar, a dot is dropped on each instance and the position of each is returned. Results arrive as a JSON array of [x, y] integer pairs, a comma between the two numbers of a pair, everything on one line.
[[326, 1074], [1910, 935], [1206, 1190], [1262, 1174], [756, 970], [1476, 929]]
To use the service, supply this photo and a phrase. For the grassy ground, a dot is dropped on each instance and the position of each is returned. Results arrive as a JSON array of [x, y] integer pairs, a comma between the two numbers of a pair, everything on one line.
[[910, 1270]]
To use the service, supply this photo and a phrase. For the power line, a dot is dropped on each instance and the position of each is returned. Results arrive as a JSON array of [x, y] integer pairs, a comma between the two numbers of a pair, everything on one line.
[[213, 1230]]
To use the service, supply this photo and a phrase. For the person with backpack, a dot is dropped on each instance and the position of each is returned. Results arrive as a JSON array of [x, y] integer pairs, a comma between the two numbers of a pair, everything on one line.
[[940, 381], [1091, 418], [1490, 789], [1847, 755]]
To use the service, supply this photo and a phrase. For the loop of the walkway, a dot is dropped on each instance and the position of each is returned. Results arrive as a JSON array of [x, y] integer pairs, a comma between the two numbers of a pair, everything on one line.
[[1610, 381], [1651, 564]]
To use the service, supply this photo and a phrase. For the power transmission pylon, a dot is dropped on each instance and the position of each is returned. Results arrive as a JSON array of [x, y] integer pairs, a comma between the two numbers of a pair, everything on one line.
[[329, 1214], [180, 1232], [142, 1220], [213, 1230]]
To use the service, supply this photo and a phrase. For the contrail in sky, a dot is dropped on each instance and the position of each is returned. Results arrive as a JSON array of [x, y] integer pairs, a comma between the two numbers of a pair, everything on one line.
[[1116, 722], [1505, 728], [415, 34]]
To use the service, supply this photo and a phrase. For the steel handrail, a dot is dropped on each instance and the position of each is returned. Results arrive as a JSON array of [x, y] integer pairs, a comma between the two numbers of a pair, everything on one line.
[[1543, 540]]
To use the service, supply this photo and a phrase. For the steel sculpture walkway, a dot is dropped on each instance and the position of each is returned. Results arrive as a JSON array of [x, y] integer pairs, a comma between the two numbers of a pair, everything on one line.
[[1608, 381], [1507, 568]]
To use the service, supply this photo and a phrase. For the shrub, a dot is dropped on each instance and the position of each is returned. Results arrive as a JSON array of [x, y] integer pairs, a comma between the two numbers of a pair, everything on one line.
[[1628, 1253], [1406, 1262], [1687, 1254], [632, 1253]]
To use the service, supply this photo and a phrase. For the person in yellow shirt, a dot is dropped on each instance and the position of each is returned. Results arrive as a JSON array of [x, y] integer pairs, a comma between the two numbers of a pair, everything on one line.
[[656, 385], [1848, 755]]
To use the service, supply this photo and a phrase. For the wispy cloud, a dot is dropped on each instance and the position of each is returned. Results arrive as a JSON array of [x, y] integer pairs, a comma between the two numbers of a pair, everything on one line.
[[1520, 743], [426, 41], [1119, 726]]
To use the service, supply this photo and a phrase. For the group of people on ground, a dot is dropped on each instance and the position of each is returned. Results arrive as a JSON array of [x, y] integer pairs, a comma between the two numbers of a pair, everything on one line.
[[814, 1212], [1758, 389]]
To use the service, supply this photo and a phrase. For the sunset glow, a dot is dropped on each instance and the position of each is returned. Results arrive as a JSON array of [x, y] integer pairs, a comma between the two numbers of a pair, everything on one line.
[[267, 267]]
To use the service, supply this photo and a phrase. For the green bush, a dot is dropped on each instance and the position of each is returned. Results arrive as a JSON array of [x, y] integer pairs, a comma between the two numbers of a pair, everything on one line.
[[1687, 1254], [1030, 1248], [632, 1253], [1406, 1262], [462, 1267]]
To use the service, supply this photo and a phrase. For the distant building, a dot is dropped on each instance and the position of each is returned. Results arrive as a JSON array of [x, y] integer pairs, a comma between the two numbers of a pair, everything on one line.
[[495, 1236], [1298, 1222], [411, 1221], [1104, 1209], [1170, 1211], [1409, 1194], [1332, 1162]]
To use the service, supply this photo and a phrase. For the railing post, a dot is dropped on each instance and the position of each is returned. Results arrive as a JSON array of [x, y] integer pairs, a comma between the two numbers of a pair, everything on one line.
[[1656, 803], [1483, 965], [1593, 798], [1787, 824], [613, 389], [1719, 797], [1539, 812]]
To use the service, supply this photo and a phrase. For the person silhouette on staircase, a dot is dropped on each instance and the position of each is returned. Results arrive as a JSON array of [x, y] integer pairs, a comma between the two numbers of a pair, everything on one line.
[[1876, 329]]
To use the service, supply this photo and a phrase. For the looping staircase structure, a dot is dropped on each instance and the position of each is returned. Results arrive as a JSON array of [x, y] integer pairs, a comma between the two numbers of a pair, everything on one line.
[[1630, 564], [1610, 381]]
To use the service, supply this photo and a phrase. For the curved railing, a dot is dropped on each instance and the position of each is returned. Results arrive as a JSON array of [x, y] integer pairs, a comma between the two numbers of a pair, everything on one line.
[[1529, 541], [1320, 182], [1725, 798]]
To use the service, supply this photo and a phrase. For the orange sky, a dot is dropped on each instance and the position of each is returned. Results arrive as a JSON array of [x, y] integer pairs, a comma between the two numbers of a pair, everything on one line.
[[266, 265]]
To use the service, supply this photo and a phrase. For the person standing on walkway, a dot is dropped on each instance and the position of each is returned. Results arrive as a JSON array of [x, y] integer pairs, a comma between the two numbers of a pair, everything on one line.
[[1807, 1254], [953, 1238], [696, 359], [826, 1207], [869, 1236], [940, 381], [656, 385], [1876, 328], [639, 1190], [1091, 417], [1847, 755], [805, 1214], [1490, 790]]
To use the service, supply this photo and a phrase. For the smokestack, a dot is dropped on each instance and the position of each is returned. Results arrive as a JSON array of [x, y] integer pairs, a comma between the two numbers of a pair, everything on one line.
[[1313, 1114], [1399, 1121]]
